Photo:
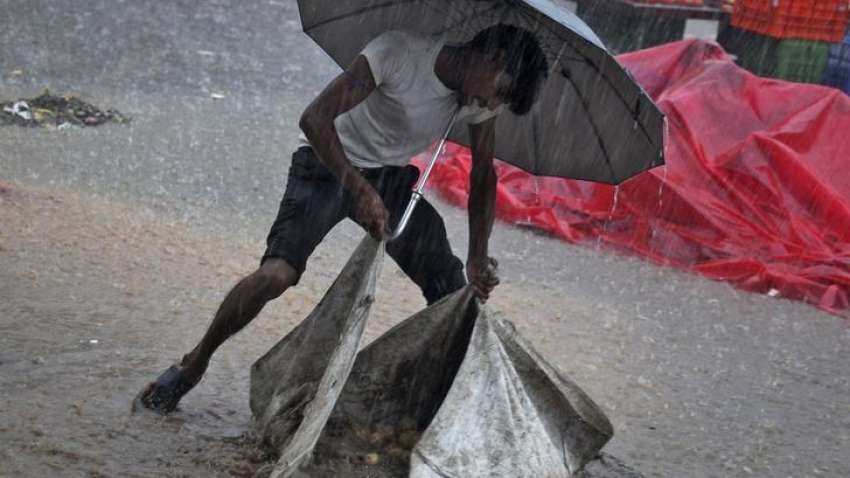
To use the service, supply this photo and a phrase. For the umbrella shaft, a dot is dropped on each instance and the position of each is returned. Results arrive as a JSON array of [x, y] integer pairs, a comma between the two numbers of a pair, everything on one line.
[[420, 185]]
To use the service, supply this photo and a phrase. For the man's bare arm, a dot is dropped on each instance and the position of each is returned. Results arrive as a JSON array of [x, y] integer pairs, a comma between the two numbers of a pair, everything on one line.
[[343, 93], [480, 268]]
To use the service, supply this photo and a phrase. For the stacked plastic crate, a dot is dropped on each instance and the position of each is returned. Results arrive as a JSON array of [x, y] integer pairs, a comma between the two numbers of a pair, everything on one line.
[[790, 39], [838, 66]]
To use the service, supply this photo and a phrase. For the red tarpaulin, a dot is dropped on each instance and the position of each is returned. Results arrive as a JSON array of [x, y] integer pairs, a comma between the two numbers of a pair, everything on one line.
[[756, 190]]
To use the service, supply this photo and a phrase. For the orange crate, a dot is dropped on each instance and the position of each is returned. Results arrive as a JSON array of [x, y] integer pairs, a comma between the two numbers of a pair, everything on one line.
[[823, 20]]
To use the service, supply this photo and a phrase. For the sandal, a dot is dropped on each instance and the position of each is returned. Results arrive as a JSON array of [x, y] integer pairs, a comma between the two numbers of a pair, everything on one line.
[[162, 395]]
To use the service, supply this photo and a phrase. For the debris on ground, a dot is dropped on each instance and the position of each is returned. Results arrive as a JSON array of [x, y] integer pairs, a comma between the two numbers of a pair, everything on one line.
[[52, 111]]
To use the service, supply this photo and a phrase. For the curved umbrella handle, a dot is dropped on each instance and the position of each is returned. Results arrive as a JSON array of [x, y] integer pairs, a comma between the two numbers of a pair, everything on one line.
[[420, 185]]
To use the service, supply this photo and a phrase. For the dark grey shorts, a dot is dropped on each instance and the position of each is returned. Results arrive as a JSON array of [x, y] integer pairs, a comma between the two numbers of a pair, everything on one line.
[[314, 202]]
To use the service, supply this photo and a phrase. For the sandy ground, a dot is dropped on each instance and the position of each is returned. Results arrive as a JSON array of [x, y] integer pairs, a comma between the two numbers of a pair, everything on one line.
[[98, 296], [130, 236]]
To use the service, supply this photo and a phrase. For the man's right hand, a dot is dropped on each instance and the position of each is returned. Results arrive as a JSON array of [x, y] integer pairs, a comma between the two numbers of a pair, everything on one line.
[[345, 92], [370, 212]]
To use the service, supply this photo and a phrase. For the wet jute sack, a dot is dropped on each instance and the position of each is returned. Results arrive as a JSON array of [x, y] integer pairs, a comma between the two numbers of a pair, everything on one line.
[[451, 391]]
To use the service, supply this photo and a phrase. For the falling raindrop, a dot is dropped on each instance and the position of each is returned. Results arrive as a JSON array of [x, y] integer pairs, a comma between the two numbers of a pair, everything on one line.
[[610, 217], [614, 202]]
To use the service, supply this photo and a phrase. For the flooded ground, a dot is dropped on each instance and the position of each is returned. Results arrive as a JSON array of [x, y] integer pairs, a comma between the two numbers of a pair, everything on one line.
[[99, 295], [97, 298], [117, 244]]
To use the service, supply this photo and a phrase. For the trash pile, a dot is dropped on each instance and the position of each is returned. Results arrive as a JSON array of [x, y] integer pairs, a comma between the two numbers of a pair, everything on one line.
[[53, 111]]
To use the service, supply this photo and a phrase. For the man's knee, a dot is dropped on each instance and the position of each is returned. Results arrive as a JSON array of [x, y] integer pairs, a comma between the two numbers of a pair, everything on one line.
[[273, 277]]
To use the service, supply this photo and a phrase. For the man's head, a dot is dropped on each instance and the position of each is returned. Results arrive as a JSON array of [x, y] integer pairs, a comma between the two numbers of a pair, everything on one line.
[[511, 69]]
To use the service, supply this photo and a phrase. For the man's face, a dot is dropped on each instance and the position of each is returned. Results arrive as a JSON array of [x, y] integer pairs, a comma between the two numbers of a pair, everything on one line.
[[486, 83]]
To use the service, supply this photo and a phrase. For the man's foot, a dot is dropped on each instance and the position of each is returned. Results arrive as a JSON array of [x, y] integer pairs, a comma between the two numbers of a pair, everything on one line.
[[163, 394]]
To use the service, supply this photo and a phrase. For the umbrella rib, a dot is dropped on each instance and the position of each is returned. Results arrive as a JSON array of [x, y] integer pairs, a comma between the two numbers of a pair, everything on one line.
[[451, 12], [593, 65], [462, 19], [535, 134], [358, 12], [467, 18], [596, 131], [449, 5], [619, 95]]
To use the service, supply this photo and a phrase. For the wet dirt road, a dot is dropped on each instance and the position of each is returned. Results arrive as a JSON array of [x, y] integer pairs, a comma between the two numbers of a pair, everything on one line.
[[149, 224]]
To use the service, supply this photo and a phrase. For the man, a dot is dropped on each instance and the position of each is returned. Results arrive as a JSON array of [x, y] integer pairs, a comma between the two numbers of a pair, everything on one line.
[[394, 100]]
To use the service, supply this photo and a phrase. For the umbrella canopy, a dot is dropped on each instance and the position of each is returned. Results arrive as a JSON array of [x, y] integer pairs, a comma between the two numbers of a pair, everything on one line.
[[591, 120]]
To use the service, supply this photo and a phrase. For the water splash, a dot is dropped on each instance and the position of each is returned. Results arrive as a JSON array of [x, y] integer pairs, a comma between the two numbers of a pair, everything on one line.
[[610, 217], [614, 202], [661, 188]]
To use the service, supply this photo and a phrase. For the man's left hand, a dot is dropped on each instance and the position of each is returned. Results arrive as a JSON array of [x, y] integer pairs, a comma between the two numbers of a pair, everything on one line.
[[482, 276]]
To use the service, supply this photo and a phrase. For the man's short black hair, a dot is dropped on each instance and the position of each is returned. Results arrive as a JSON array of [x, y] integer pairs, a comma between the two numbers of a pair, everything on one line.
[[525, 62]]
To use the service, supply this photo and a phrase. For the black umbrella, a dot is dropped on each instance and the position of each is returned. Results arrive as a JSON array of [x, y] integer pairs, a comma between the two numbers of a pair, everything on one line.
[[592, 120]]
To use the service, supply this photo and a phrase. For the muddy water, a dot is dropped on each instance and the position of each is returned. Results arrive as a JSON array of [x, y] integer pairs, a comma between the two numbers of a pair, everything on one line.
[[97, 297], [82, 325]]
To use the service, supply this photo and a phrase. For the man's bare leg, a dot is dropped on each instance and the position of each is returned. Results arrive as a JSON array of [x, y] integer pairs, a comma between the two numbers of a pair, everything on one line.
[[241, 305]]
